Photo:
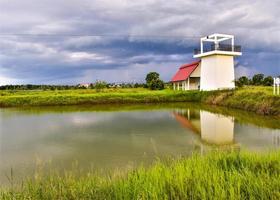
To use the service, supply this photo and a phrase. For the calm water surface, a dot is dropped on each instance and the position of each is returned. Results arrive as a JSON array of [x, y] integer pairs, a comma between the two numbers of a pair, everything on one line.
[[122, 137]]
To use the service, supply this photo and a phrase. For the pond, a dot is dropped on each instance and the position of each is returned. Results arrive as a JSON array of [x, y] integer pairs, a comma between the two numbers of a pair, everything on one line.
[[124, 136]]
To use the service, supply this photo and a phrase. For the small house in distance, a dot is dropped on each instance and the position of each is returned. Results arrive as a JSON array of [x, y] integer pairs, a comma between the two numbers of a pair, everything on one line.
[[187, 77], [215, 68], [84, 85]]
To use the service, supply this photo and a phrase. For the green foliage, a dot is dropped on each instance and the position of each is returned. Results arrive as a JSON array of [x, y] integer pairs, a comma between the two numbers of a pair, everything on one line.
[[151, 77], [153, 81], [100, 85], [156, 85], [257, 79], [243, 80], [268, 81], [217, 175], [68, 87], [38, 87]]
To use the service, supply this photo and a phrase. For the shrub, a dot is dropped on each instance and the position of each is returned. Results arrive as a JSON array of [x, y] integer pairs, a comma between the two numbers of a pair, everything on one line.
[[268, 81], [157, 85], [100, 85], [257, 79], [243, 80], [153, 81]]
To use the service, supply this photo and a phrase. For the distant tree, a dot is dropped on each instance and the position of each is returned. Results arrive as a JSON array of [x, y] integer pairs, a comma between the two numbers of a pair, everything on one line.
[[100, 85], [38, 87], [137, 85], [29, 87], [91, 86], [153, 81], [151, 77], [257, 79], [268, 81], [243, 80], [157, 85]]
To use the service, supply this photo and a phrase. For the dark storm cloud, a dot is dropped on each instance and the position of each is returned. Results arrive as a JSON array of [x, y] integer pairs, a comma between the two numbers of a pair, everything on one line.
[[71, 41], [126, 48]]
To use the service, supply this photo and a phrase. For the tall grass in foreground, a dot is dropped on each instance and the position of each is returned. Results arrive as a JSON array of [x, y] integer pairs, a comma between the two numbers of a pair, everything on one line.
[[214, 176]]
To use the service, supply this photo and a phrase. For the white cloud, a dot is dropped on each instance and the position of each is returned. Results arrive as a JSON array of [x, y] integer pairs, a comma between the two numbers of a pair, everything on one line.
[[79, 56], [7, 81]]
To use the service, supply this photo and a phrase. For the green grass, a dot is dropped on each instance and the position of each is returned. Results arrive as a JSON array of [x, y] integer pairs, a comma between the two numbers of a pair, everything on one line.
[[77, 97], [217, 175], [256, 99]]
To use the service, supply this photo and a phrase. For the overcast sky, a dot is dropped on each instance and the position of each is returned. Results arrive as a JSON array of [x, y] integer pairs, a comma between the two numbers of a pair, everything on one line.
[[78, 41]]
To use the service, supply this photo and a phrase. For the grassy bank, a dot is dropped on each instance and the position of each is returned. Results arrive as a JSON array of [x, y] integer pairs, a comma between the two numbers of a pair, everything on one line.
[[255, 99], [214, 176]]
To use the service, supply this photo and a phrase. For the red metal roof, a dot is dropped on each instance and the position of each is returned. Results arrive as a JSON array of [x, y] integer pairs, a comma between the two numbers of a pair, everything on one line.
[[185, 71]]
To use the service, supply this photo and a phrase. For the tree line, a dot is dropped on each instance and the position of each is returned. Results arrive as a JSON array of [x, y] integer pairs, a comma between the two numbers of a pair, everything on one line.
[[97, 85], [257, 79], [153, 82]]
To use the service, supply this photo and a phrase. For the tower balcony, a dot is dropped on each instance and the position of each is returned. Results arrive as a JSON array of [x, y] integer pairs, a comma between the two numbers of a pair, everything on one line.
[[222, 49], [217, 44]]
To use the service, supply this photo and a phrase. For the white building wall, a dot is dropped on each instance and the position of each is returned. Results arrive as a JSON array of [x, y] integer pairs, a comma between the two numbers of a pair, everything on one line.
[[196, 72], [217, 72]]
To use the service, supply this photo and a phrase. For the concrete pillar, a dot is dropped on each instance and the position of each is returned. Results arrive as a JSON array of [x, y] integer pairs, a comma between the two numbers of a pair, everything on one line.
[[189, 83], [178, 85]]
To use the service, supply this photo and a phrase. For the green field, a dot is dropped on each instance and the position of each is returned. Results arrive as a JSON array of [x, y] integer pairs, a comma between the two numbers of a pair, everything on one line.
[[214, 176], [256, 99]]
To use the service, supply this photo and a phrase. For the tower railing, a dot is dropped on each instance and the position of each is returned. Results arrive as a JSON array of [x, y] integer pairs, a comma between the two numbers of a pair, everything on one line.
[[219, 47]]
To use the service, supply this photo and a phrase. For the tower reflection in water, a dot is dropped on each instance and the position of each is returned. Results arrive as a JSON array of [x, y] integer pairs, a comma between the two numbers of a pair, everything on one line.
[[213, 128]]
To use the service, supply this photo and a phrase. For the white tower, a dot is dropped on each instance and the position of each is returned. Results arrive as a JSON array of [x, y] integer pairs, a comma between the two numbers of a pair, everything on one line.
[[217, 61]]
